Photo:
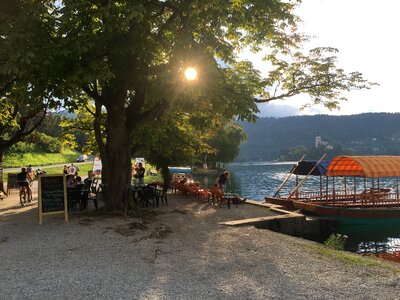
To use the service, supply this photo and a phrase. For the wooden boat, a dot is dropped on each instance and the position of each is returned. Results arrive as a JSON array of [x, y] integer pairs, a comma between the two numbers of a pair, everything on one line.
[[302, 168], [348, 200]]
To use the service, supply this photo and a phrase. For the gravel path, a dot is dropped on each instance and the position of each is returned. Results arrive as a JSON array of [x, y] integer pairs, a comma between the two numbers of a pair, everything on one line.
[[176, 252]]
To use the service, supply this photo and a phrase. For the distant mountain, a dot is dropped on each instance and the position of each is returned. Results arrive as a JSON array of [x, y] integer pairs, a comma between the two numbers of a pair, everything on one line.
[[67, 114], [363, 134]]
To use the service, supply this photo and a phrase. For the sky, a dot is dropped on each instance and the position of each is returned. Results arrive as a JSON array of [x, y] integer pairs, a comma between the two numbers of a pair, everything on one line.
[[366, 35]]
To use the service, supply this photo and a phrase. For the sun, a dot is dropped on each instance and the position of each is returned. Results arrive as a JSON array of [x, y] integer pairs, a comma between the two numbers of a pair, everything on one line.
[[191, 74]]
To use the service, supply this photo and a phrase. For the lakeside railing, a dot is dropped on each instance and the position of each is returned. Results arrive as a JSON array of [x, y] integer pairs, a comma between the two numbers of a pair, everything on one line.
[[370, 199]]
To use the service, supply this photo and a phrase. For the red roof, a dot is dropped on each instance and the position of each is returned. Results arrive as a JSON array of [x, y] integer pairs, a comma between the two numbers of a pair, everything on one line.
[[365, 166]]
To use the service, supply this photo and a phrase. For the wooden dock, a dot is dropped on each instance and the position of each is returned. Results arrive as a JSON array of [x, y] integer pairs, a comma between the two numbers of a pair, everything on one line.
[[287, 222]]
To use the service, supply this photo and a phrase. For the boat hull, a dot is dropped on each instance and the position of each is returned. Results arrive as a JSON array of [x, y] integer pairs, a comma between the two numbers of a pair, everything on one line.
[[348, 212], [288, 204]]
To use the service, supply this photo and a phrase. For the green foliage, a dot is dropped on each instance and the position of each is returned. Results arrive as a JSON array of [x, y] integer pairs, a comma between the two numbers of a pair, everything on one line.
[[21, 147], [45, 143], [294, 153], [226, 143], [172, 140], [51, 125], [129, 57], [79, 130], [315, 74], [24, 90], [185, 139], [353, 259], [336, 241], [49, 144]]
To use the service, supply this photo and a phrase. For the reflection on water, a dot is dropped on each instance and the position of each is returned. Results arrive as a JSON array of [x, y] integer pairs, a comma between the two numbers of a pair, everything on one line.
[[382, 236], [257, 180]]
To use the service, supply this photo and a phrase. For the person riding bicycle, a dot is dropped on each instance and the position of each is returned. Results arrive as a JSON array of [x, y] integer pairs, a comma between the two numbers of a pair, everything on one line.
[[30, 170], [24, 179]]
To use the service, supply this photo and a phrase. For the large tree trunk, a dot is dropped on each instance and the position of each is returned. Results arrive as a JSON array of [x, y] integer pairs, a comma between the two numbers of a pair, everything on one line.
[[116, 173], [122, 120], [166, 174]]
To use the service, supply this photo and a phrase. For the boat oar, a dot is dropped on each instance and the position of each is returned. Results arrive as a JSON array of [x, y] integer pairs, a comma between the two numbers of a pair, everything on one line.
[[304, 179], [288, 176]]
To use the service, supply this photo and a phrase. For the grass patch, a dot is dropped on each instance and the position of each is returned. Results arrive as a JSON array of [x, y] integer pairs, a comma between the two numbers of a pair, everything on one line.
[[83, 169], [39, 158], [352, 259], [149, 179]]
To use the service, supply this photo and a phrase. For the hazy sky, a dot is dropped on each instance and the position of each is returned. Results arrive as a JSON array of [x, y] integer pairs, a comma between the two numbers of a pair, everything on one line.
[[366, 34]]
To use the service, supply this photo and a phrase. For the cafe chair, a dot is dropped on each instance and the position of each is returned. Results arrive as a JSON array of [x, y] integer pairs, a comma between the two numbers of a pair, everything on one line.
[[93, 193], [137, 194], [149, 195], [84, 199], [73, 198], [162, 195], [93, 186]]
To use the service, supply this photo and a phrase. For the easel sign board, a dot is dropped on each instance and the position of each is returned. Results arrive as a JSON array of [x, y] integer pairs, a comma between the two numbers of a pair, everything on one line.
[[12, 182], [52, 196], [139, 160], [97, 166]]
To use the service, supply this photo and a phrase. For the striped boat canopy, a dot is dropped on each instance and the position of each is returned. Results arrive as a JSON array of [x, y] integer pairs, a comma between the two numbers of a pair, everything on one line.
[[365, 166]]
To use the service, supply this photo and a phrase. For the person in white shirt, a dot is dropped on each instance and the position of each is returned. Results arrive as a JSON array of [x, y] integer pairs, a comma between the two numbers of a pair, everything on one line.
[[72, 170]]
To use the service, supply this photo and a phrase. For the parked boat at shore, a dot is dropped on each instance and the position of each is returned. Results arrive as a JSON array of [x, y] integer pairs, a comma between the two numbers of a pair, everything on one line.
[[302, 168], [359, 194]]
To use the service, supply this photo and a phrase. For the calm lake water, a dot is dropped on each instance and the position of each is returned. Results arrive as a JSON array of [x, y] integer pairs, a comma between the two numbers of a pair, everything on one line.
[[255, 181]]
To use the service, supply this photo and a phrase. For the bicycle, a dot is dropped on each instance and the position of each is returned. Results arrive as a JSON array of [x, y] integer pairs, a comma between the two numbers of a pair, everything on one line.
[[25, 194]]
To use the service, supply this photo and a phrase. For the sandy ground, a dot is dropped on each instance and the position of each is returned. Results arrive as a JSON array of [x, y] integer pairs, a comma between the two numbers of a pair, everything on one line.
[[174, 252]]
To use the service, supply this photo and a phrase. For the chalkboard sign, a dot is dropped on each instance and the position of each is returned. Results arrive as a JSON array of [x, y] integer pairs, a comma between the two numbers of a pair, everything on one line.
[[52, 195], [12, 182]]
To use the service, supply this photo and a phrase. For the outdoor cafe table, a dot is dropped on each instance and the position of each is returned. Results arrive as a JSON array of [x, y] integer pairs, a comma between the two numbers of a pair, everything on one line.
[[228, 197]]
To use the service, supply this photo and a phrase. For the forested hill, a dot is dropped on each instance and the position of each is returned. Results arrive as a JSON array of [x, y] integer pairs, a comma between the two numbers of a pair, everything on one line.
[[363, 134]]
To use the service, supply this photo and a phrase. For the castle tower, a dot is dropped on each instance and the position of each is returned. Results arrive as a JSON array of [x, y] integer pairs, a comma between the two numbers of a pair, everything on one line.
[[318, 141]]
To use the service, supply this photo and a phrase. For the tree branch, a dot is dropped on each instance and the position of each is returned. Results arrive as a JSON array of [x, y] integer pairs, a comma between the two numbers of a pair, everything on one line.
[[94, 94], [155, 112], [93, 113], [182, 140], [290, 93], [21, 133]]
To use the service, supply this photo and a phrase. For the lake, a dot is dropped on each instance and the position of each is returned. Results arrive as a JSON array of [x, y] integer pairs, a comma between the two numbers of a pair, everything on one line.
[[256, 180]]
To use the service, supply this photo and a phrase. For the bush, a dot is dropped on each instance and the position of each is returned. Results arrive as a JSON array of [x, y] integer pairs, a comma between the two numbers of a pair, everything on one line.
[[45, 143], [21, 147], [50, 144], [336, 241]]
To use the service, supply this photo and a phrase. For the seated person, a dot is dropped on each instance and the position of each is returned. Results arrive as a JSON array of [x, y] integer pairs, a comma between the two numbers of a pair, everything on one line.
[[88, 181], [78, 180], [70, 181]]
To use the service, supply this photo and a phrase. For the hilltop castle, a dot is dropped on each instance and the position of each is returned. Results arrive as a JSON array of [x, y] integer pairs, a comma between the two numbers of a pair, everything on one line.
[[319, 143]]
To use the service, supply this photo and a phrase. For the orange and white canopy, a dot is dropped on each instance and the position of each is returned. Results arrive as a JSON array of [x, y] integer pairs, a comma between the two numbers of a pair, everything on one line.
[[365, 166]]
